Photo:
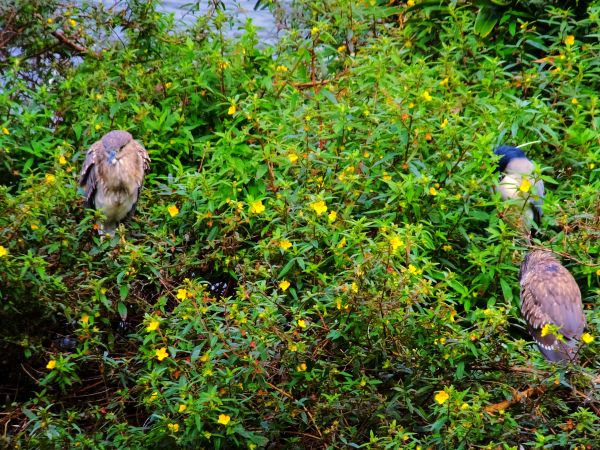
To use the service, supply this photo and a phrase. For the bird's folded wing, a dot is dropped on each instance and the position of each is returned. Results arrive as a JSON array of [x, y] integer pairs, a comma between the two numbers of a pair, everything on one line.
[[87, 178]]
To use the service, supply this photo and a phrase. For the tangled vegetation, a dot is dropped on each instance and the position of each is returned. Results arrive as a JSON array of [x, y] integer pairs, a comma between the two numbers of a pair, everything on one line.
[[318, 259]]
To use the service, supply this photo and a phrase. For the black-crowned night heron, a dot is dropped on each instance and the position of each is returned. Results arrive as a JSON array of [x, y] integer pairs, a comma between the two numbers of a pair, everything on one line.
[[551, 306], [112, 176], [519, 184]]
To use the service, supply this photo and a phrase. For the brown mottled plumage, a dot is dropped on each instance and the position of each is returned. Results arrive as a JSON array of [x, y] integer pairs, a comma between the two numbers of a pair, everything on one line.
[[550, 295], [112, 176]]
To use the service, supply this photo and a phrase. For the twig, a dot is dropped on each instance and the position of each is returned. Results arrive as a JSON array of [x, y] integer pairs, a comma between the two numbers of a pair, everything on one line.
[[312, 419], [532, 391]]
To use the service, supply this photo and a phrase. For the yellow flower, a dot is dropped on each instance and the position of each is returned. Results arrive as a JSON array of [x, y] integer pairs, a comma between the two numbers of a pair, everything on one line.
[[224, 419], [161, 353], [281, 69], [332, 216], [1, 248], [301, 367], [3, 251], [447, 248], [154, 396], [153, 325], [444, 124], [257, 207], [592, 166], [545, 330], [342, 243], [426, 96], [293, 347], [341, 49], [62, 160], [85, 318], [72, 22], [314, 30], [98, 126], [50, 178], [410, 3], [320, 207], [441, 397], [293, 157], [354, 287], [445, 82], [182, 408], [285, 245], [51, 364], [182, 294], [395, 243], [173, 427], [173, 210], [231, 111], [412, 269], [574, 101], [587, 338], [34, 226], [464, 406], [301, 323], [432, 191], [168, 84], [5, 131], [50, 20], [525, 185], [570, 40], [284, 285]]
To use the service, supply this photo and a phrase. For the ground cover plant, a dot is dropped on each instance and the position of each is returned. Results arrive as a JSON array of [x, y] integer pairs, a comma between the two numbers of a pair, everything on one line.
[[318, 259]]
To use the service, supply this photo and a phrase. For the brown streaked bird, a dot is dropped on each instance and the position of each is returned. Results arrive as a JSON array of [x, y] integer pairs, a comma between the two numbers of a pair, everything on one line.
[[113, 175], [550, 296]]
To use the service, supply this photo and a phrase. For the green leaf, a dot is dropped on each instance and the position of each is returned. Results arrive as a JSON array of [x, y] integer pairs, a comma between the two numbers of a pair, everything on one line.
[[486, 20]]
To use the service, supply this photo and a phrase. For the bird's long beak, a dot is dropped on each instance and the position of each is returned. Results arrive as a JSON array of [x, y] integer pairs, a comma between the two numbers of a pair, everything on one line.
[[112, 157]]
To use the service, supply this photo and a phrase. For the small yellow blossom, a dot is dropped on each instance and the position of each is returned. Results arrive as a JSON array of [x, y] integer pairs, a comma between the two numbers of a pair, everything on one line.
[[341, 49], [34, 226], [281, 69], [464, 406], [182, 408], [5, 131], [574, 101], [447, 248], [426, 96], [205, 357], [153, 396], [570, 40], [545, 330], [85, 318], [50, 178], [293, 347], [314, 30], [98, 126], [231, 111], [62, 160], [257, 207], [301, 367], [224, 419], [587, 338], [153, 325], [444, 124], [173, 427], [284, 285], [592, 166], [301, 323], [168, 84], [320, 207], [72, 23], [342, 243], [441, 397], [332, 216], [412, 269], [293, 157], [395, 243], [173, 210], [50, 20], [182, 294], [51, 364], [433, 191], [354, 287], [525, 185], [161, 353], [285, 245], [410, 3], [445, 82]]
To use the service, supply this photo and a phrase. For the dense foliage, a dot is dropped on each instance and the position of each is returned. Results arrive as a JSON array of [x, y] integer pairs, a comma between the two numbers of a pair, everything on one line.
[[318, 258]]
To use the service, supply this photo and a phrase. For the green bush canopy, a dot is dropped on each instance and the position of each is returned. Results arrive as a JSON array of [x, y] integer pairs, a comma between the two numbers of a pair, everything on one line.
[[318, 258]]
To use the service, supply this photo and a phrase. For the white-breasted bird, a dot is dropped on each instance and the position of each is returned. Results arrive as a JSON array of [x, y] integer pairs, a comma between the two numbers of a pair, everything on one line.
[[550, 297], [113, 175], [519, 184]]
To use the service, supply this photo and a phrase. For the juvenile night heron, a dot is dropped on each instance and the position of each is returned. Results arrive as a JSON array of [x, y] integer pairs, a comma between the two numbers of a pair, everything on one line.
[[112, 176], [550, 297], [519, 184]]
